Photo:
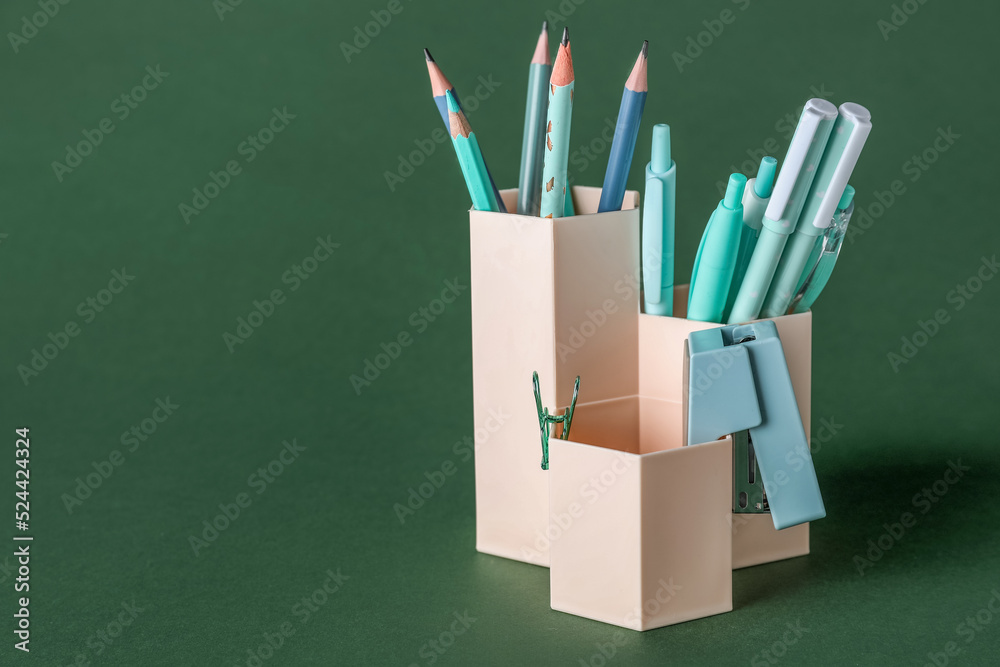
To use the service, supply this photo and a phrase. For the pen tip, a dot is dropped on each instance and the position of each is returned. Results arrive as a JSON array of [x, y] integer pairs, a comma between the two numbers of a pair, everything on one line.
[[645, 47], [565, 37], [427, 54]]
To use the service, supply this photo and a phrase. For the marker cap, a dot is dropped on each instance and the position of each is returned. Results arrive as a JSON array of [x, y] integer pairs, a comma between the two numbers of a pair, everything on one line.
[[841, 155], [799, 168]]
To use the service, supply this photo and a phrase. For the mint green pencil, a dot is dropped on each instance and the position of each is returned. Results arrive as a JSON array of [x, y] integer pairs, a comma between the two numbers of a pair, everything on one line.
[[557, 133], [533, 142], [470, 158]]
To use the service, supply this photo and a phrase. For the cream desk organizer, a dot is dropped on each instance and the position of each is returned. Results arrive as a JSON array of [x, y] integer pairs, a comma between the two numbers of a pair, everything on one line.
[[637, 530]]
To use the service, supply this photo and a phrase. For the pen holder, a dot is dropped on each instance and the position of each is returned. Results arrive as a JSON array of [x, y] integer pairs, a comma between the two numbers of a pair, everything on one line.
[[558, 296], [661, 376], [639, 533], [637, 529]]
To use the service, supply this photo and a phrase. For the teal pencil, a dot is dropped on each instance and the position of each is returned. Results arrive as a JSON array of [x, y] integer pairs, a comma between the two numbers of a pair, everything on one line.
[[533, 143], [557, 133], [470, 158]]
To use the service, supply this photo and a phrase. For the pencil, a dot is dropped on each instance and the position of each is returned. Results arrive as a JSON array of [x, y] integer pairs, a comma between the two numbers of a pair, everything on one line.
[[533, 143], [440, 85], [470, 158], [626, 132], [560, 115]]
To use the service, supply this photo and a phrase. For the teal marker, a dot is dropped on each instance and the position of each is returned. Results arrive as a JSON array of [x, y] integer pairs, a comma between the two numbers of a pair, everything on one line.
[[658, 227], [716, 259], [755, 197], [839, 159], [782, 214], [833, 240]]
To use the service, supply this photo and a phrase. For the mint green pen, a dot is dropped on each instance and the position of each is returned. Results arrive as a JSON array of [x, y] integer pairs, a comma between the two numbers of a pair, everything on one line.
[[713, 267], [658, 227], [755, 197], [849, 134], [790, 190]]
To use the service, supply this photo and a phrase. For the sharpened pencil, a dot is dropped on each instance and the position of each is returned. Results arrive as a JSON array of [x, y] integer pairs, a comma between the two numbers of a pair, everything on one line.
[[560, 115], [626, 132], [440, 85], [470, 157], [533, 143]]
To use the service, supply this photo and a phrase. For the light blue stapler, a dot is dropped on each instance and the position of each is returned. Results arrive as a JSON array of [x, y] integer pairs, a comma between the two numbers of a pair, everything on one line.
[[737, 382]]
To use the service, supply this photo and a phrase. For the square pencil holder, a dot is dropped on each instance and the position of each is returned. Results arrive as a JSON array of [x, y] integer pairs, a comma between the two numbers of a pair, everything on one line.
[[557, 296], [661, 376], [638, 530]]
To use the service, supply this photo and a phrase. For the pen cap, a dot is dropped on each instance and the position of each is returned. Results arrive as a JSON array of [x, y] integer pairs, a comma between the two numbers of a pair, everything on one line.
[[720, 241], [799, 168], [842, 152], [758, 193], [660, 160]]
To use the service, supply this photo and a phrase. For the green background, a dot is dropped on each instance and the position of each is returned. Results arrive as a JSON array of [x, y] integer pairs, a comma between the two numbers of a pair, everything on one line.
[[324, 176]]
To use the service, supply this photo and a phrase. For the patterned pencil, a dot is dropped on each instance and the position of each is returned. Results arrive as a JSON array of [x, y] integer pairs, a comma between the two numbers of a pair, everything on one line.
[[533, 143], [477, 178], [439, 86], [560, 116], [626, 132]]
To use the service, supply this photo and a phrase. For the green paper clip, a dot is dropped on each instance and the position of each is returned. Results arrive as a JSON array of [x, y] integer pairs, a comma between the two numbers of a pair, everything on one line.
[[545, 420]]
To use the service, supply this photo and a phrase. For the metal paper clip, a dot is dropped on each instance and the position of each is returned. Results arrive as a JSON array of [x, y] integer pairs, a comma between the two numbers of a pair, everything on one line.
[[545, 420]]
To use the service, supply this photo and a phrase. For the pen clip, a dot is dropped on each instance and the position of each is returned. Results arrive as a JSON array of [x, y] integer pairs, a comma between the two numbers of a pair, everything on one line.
[[546, 420]]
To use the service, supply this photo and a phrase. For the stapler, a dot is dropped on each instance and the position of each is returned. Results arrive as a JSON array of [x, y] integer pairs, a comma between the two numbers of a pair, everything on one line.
[[737, 383]]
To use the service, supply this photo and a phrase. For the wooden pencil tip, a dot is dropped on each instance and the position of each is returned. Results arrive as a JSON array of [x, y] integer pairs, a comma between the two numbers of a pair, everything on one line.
[[562, 70], [565, 37], [427, 54], [637, 80], [545, 26], [541, 55], [645, 48]]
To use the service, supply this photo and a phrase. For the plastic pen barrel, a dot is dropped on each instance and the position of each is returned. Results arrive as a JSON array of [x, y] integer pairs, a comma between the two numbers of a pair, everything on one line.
[[755, 197], [658, 227]]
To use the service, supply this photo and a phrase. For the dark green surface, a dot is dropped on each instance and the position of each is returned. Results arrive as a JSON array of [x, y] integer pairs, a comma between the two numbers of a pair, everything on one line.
[[324, 175]]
